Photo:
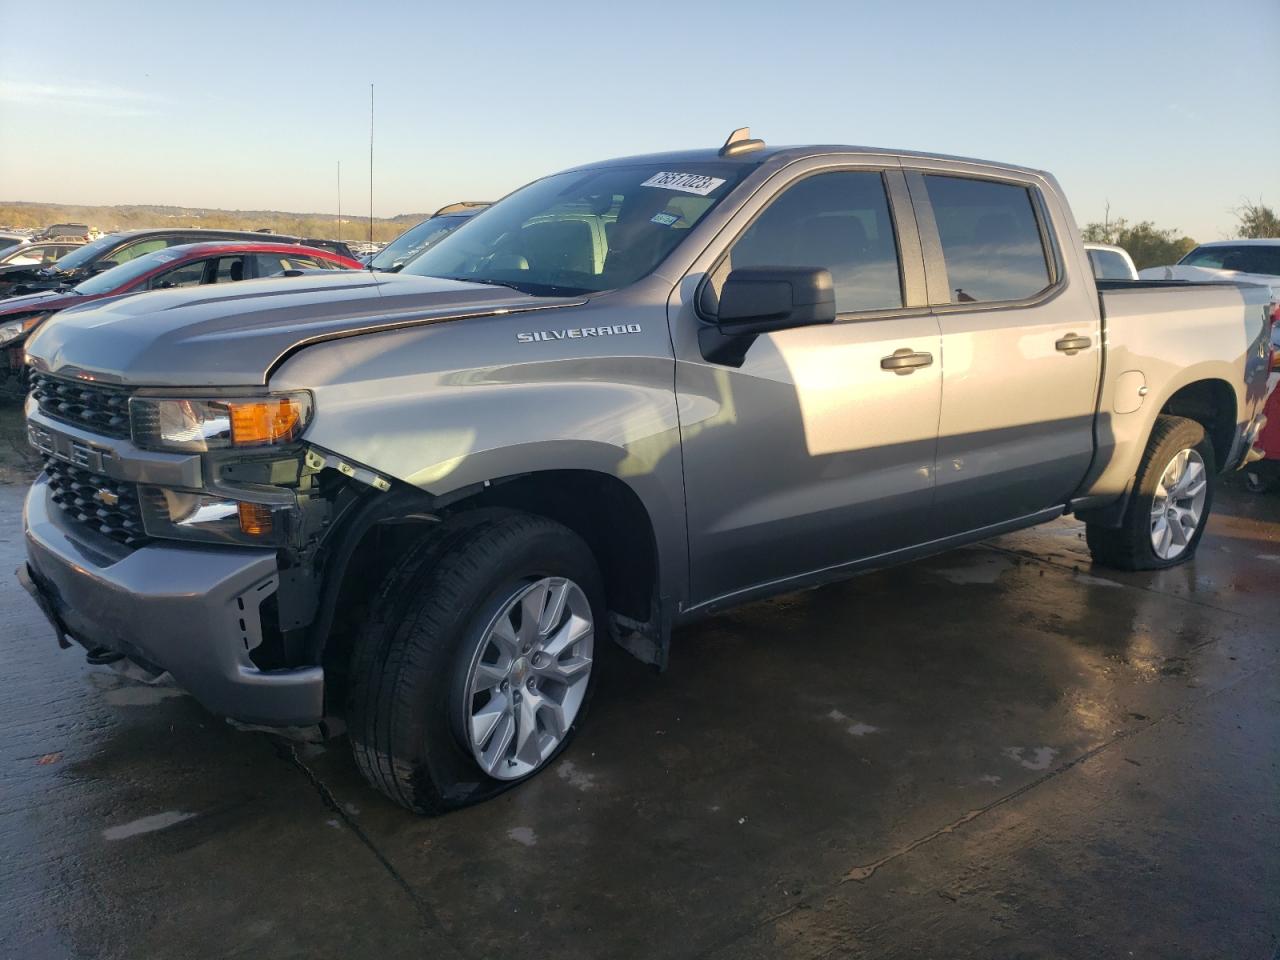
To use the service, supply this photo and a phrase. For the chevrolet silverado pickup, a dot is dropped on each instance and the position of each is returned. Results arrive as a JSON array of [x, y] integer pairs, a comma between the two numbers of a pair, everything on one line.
[[625, 396]]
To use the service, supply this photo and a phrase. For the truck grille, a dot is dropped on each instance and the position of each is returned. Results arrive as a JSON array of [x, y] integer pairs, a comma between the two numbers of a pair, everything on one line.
[[108, 506], [99, 407]]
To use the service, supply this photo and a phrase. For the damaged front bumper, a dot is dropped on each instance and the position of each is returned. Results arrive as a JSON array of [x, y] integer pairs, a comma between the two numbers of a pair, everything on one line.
[[186, 608]]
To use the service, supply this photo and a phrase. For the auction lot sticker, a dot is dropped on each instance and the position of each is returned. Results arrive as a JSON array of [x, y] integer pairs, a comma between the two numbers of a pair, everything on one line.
[[698, 183]]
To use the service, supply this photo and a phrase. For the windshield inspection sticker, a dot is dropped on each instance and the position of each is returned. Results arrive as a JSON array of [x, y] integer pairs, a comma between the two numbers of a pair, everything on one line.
[[666, 219], [698, 183]]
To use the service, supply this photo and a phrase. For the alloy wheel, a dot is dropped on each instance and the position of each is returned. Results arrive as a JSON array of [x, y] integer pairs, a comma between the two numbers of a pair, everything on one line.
[[528, 677], [1178, 505]]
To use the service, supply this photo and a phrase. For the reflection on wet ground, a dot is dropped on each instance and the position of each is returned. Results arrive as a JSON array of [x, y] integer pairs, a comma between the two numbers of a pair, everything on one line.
[[998, 752]]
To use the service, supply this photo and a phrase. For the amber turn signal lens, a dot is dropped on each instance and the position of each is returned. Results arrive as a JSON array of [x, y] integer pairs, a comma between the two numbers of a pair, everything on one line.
[[266, 421], [255, 519]]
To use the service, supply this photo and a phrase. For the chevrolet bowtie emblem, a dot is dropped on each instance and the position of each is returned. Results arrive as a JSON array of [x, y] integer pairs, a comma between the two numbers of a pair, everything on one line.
[[107, 498]]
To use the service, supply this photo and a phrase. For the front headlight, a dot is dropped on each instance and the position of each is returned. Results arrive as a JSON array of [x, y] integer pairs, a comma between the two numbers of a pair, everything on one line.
[[185, 515], [14, 329], [199, 425]]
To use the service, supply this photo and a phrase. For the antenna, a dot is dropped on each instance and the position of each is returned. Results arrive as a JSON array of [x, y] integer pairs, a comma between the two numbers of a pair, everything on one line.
[[740, 142], [371, 163], [339, 200]]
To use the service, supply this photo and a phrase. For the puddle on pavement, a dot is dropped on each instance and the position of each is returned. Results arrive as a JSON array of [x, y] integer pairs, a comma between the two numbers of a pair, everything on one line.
[[157, 821]]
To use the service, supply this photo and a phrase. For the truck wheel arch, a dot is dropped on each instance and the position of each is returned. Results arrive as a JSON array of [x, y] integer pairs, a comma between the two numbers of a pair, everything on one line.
[[1211, 402], [1208, 400], [602, 509]]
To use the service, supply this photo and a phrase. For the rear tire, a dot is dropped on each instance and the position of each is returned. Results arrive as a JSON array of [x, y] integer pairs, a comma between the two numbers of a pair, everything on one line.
[[1256, 482], [1170, 506], [412, 711]]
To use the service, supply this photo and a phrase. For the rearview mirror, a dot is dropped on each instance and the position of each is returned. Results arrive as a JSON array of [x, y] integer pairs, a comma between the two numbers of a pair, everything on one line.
[[756, 300]]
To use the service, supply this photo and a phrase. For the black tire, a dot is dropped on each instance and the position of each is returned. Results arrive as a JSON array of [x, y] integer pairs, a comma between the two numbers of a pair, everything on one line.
[[1129, 547], [409, 665], [1257, 482]]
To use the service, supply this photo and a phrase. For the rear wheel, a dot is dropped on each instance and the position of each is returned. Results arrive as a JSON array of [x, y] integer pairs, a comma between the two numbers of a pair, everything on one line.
[[1173, 496], [1257, 482], [475, 669]]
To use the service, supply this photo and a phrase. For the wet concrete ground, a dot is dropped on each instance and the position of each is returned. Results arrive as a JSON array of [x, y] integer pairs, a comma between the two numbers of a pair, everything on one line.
[[996, 753]]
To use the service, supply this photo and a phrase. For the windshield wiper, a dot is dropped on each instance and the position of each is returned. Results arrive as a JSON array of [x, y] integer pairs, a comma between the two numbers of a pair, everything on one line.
[[486, 280]]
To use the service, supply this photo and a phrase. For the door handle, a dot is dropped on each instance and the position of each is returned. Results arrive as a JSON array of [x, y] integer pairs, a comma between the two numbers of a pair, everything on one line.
[[904, 360], [1072, 344]]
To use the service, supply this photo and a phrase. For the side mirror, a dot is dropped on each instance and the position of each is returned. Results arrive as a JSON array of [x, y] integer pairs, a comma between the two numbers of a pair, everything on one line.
[[756, 300]]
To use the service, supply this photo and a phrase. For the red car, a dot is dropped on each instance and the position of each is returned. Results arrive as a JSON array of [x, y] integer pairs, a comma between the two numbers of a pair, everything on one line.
[[225, 261]]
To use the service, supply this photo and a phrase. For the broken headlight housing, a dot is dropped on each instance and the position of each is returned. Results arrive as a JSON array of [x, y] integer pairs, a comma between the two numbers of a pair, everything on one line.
[[214, 518], [15, 328], [191, 425]]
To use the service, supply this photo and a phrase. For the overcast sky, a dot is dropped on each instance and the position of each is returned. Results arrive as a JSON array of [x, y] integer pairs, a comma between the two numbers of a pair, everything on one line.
[[1167, 109]]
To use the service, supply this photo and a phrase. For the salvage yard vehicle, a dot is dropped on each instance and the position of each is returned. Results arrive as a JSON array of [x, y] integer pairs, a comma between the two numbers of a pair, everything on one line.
[[417, 238], [423, 502], [1110, 262], [189, 265], [115, 249], [41, 254]]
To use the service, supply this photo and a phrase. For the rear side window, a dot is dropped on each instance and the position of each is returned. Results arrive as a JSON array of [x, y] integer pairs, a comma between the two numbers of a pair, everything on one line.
[[990, 239], [836, 220], [187, 275], [1109, 265], [274, 264], [134, 250], [1247, 258]]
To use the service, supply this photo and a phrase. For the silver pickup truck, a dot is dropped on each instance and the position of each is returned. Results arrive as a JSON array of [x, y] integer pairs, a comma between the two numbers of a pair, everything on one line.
[[625, 396]]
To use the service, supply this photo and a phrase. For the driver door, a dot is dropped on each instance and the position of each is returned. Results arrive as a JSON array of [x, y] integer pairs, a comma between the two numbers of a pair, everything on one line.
[[813, 454]]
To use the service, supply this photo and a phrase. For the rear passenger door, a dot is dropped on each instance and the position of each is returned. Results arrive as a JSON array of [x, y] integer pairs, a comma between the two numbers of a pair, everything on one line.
[[812, 454], [1021, 342]]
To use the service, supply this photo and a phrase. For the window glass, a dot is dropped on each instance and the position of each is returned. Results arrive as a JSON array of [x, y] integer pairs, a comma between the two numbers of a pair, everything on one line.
[[1109, 265], [274, 264], [230, 270], [583, 231], [23, 256], [990, 239], [133, 250], [187, 275], [413, 241], [1245, 257], [839, 221], [89, 253]]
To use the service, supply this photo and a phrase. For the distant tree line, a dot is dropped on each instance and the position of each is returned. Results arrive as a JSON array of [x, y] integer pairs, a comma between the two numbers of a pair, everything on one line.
[[109, 219], [1152, 246]]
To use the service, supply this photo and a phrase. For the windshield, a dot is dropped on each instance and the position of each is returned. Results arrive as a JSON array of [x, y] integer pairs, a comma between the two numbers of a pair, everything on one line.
[[413, 241], [582, 232], [1245, 257], [112, 280], [88, 253]]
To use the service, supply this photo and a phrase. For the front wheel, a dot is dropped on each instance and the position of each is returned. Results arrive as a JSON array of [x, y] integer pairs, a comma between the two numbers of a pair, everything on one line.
[[1170, 507], [475, 669]]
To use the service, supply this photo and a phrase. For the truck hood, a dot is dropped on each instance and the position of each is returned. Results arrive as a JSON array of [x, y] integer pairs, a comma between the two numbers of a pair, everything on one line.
[[228, 336]]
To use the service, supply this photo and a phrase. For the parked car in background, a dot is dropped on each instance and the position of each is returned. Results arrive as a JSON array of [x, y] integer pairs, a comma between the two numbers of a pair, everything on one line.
[[1246, 261], [417, 238], [81, 231], [187, 265], [1110, 262], [43, 253], [113, 250], [426, 500], [10, 240]]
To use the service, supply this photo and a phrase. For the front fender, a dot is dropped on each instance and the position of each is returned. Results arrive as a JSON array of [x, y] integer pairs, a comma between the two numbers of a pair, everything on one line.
[[413, 405]]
